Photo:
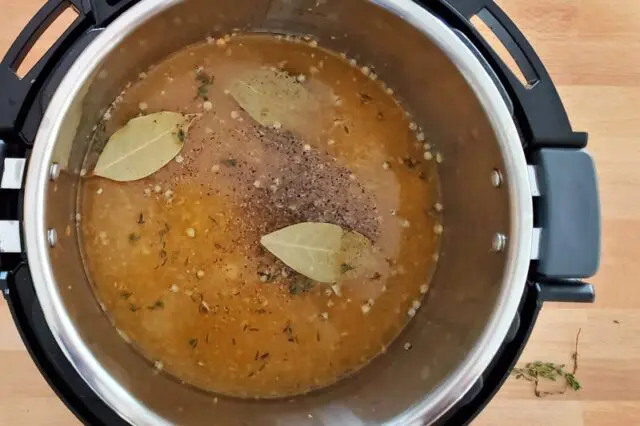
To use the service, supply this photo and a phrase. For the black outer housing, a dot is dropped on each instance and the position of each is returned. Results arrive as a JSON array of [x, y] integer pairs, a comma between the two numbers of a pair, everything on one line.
[[537, 110], [46, 353]]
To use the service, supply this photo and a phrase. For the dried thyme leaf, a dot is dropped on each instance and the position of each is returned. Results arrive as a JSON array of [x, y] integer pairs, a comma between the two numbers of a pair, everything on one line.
[[345, 267], [141, 218], [205, 81], [410, 163], [203, 92], [288, 331], [133, 307], [125, 295], [231, 162], [364, 98], [158, 304], [204, 78], [193, 342], [133, 237], [300, 284]]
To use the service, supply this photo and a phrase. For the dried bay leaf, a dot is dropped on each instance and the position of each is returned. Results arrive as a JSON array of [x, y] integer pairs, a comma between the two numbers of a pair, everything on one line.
[[308, 248], [318, 250], [143, 146], [357, 254], [271, 96]]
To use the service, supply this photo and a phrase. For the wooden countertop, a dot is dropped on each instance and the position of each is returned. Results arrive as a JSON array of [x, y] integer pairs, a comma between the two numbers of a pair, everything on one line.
[[592, 50]]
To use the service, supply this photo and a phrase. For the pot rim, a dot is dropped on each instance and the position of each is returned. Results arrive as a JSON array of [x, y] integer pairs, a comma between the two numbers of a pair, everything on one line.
[[448, 392]]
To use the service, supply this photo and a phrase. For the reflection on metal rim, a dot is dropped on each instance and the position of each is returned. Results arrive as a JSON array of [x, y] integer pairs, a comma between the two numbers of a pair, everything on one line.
[[521, 216]]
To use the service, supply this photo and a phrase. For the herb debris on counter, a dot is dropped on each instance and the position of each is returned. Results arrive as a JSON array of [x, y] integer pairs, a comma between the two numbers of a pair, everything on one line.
[[534, 371]]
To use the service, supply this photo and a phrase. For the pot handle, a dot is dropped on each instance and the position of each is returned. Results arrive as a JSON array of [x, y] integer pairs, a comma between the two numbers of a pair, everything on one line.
[[20, 93], [545, 122], [568, 213], [567, 238]]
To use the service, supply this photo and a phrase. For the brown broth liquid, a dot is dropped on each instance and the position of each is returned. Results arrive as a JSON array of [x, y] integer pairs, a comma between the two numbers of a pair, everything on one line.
[[216, 310]]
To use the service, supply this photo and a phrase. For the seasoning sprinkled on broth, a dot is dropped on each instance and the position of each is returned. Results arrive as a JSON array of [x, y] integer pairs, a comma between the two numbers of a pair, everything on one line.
[[176, 258]]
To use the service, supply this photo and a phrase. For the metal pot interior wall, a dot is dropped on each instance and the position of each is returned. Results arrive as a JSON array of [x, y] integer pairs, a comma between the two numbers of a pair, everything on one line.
[[469, 276]]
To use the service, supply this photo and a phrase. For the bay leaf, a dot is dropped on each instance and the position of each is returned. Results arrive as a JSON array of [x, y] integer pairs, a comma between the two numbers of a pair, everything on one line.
[[143, 146], [270, 95], [357, 255], [318, 250], [308, 248]]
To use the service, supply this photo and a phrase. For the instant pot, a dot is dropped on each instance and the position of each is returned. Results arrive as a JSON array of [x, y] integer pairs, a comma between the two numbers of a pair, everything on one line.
[[521, 209]]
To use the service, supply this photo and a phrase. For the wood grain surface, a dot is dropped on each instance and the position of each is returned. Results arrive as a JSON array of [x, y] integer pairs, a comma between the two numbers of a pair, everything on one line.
[[592, 50]]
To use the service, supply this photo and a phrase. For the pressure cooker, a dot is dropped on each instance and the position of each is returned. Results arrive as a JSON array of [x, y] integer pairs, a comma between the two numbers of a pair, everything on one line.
[[522, 222]]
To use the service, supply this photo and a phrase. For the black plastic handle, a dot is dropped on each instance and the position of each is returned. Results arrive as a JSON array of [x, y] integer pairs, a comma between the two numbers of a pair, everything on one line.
[[544, 120], [574, 291], [18, 94], [568, 214]]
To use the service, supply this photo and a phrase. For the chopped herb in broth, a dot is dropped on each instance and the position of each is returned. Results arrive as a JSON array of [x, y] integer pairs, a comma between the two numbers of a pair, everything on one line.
[[300, 284], [175, 255], [345, 267], [205, 81]]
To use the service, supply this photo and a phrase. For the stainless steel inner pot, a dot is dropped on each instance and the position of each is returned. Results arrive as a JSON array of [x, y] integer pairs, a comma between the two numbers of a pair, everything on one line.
[[475, 291]]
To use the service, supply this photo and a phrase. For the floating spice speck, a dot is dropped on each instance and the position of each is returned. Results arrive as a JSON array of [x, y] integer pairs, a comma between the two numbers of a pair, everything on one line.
[[345, 267], [158, 304]]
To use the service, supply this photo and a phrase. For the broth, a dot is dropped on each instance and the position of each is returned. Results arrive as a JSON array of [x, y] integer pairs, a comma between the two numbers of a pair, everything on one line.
[[175, 258]]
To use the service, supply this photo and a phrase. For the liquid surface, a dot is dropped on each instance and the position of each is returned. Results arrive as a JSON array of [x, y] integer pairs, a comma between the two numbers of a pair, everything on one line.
[[175, 257]]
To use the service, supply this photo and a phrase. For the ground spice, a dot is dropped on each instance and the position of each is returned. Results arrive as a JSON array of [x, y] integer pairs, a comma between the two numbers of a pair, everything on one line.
[[301, 186]]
